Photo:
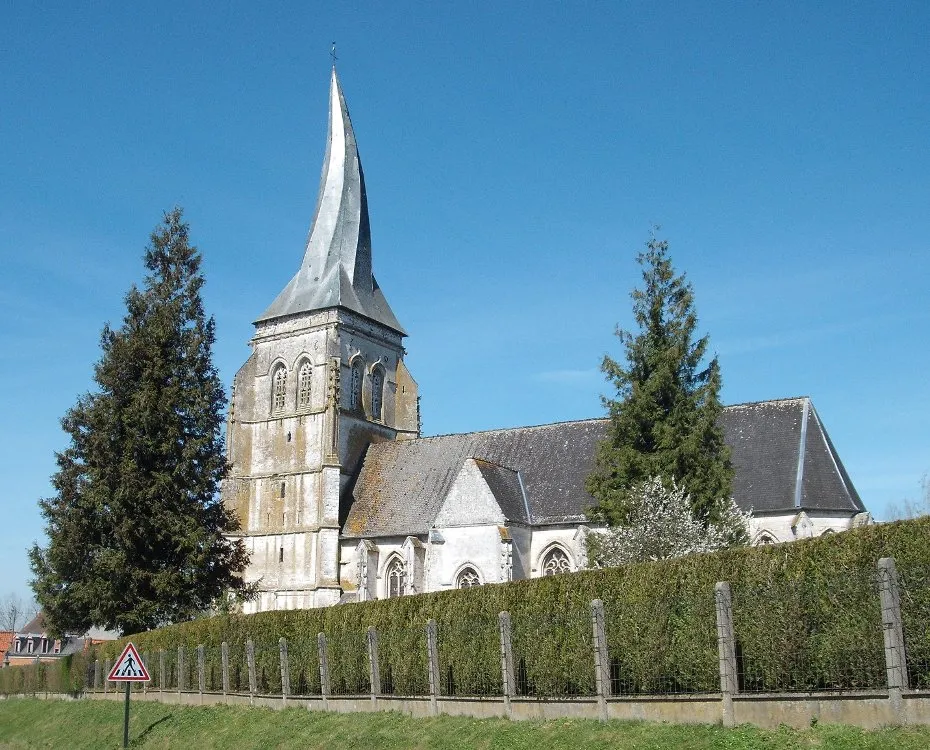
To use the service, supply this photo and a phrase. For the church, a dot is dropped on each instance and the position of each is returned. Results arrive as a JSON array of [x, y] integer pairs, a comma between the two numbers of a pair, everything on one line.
[[340, 498]]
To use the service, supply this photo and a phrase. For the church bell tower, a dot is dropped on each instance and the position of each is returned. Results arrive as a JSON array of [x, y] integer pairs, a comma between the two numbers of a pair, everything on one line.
[[326, 378]]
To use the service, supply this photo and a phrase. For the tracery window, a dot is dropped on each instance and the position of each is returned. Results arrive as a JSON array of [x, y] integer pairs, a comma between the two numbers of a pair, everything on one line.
[[304, 377], [396, 577], [278, 389], [467, 578], [556, 562], [377, 392], [765, 539], [355, 385]]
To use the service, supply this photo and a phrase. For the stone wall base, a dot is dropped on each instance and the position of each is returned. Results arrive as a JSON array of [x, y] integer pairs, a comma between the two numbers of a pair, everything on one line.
[[865, 709]]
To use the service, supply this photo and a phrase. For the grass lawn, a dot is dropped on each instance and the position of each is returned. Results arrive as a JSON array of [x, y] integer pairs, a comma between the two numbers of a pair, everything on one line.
[[31, 723]]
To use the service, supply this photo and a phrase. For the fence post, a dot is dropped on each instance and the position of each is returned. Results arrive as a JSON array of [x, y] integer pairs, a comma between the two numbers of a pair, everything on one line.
[[324, 669], [507, 674], [893, 632], [201, 670], [161, 671], [224, 657], [106, 672], [726, 647], [601, 657], [96, 674], [285, 672], [180, 671], [250, 660], [373, 669], [432, 655]]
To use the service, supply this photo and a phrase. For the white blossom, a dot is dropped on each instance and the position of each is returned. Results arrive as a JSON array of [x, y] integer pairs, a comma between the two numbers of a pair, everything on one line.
[[661, 525]]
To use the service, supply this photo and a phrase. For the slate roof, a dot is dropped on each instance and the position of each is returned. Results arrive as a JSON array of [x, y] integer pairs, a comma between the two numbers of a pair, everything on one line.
[[35, 625], [505, 485], [774, 444], [402, 484]]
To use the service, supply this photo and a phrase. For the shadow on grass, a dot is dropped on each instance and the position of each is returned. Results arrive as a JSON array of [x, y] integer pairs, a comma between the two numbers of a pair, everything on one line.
[[136, 741]]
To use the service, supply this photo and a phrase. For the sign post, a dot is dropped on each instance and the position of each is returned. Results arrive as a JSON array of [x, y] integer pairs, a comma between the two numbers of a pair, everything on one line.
[[128, 668]]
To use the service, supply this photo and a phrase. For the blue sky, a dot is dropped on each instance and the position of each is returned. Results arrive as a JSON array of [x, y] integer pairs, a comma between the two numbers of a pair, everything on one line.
[[516, 156]]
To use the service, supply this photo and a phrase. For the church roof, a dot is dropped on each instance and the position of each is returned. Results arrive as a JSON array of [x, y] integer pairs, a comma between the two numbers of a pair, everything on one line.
[[336, 268], [782, 455], [785, 459]]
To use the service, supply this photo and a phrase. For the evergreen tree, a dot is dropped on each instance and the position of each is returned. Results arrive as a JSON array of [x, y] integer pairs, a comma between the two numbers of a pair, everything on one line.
[[663, 419], [136, 527]]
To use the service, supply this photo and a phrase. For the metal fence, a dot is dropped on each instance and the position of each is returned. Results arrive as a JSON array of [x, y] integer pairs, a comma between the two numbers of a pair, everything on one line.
[[861, 632]]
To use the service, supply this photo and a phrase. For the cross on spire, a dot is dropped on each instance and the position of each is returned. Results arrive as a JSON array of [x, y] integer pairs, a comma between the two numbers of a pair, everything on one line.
[[332, 54]]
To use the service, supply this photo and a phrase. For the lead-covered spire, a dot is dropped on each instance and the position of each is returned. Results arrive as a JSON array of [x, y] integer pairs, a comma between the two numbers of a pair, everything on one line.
[[336, 269]]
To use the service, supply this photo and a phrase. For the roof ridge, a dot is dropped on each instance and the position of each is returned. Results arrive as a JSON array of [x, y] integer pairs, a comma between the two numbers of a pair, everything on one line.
[[506, 429], [767, 401], [583, 420]]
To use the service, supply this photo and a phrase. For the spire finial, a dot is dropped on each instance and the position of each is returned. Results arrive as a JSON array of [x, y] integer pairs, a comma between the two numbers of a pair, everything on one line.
[[332, 54]]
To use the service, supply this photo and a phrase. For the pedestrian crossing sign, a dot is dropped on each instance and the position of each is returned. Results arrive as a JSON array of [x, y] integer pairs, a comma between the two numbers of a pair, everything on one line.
[[129, 667]]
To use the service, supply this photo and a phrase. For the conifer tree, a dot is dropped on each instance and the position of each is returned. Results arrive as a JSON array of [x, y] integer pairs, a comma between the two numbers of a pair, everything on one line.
[[136, 527], [663, 418]]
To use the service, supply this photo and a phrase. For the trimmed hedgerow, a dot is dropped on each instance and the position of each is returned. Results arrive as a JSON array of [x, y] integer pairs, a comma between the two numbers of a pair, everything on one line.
[[67, 674], [806, 617]]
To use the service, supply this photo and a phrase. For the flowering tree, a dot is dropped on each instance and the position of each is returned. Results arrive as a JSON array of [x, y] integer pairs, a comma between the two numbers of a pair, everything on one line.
[[661, 524]]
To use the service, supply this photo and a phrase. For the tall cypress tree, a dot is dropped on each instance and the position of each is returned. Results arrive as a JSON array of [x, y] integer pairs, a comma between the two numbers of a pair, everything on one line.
[[136, 527], [663, 418]]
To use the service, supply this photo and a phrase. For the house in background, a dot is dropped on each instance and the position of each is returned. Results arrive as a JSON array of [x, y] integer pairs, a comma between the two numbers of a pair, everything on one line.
[[33, 644]]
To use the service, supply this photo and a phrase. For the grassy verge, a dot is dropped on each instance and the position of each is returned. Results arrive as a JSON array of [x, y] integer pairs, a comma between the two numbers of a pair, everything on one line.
[[30, 723]]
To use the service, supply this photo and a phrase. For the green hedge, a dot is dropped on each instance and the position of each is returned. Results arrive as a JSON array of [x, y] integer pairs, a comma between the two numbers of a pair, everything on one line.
[[806, 616], [67, 674]]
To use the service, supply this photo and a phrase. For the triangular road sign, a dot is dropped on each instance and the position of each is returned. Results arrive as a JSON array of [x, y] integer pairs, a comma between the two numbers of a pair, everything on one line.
[[129, 667]]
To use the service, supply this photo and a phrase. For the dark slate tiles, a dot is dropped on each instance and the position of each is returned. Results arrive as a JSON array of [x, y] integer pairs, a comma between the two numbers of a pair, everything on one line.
[[402, 484]]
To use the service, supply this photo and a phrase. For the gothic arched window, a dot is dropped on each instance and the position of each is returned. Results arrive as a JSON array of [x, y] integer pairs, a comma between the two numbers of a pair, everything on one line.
[[278, 389], [467, 578], [377, 392], [765, 539], [304, 377], [396, 577], [555, 562], [355, 385]]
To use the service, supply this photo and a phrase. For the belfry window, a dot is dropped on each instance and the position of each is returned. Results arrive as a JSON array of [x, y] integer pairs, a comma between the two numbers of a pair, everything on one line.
[[396, 578], [467, 578], [278, 390], [377, 392], [355, 386], [304, 377], [556, 562]]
